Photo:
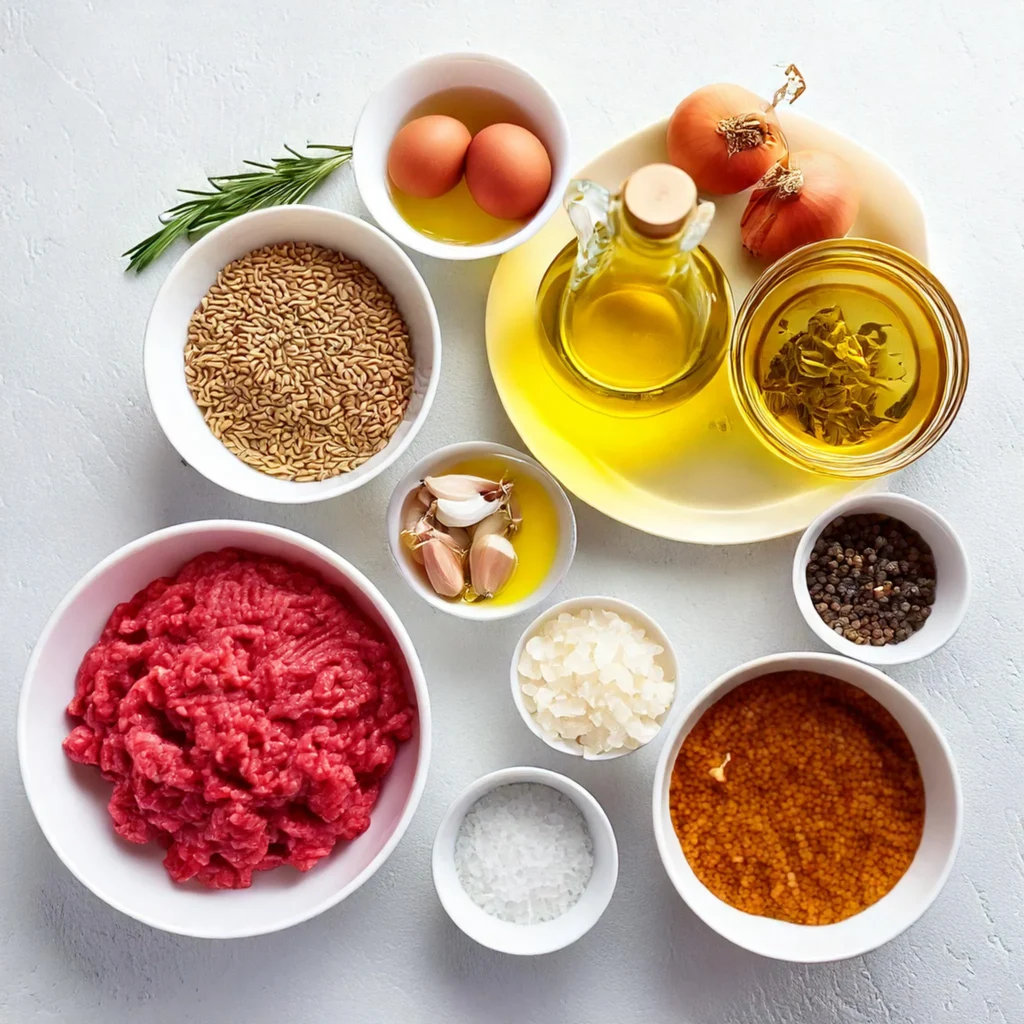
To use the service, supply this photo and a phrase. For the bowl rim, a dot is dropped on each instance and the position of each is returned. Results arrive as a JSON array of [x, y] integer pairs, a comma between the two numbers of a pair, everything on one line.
[[886, 503], [362, 584], [408, 235], [953, 340], [441, 861], [298, 493], [627, 610], [807, 660], [483, 611]]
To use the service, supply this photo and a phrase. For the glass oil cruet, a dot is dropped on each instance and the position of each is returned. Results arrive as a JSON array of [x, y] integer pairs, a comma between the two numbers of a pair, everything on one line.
[[638, 314]]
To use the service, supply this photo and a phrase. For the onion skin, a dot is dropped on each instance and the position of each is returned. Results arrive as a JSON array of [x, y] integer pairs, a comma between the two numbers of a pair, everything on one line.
[[815, 198], [698, 139]]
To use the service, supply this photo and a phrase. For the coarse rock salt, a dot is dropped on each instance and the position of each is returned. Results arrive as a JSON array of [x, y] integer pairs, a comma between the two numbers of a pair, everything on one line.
[[593, 678], [523, 853]]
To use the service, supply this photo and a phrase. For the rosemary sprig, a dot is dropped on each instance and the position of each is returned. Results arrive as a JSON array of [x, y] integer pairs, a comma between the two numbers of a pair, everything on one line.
[[287, 179]]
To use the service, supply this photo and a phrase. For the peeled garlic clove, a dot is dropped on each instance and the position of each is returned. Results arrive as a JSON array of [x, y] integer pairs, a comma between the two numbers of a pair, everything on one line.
[[466, 511], [492, 560], [444, 568], [496, 524], [460, 487]]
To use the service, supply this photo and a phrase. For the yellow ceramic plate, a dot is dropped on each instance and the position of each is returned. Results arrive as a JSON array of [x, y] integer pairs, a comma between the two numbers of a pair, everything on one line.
[[695, 473]]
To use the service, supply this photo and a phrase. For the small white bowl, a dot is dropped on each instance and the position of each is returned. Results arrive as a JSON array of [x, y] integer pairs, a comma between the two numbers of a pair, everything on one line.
[[904, 903], [526, 939], [70, 800], [190, 279], [387, 110], [667, 660], [952, 579], [440, 462]]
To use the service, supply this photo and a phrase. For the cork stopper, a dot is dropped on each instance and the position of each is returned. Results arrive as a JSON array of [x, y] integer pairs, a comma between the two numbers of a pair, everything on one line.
[[657, 199]]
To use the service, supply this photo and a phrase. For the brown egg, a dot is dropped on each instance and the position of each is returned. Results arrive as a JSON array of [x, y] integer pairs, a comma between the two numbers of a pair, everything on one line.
[[427, 156], [508, 171]]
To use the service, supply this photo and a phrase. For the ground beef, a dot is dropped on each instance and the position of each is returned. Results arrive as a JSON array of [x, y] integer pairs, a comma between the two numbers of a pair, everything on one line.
[[245, 713]]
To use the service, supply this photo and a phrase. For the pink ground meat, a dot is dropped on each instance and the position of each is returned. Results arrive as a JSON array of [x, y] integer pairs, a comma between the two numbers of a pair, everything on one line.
[[245, 713]]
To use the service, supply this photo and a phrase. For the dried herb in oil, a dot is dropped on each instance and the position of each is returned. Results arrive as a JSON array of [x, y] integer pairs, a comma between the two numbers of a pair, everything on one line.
[[832, 379]]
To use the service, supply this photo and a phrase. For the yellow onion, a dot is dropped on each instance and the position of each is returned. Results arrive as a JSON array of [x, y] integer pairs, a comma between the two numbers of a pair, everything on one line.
[[810, 196], [725, 137]]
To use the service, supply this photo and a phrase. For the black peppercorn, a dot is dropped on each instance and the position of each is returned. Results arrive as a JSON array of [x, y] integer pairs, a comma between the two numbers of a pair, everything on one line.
[[871, 579]]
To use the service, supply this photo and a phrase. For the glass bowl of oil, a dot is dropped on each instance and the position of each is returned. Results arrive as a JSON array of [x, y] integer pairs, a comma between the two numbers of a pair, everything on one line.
[[849, 358]]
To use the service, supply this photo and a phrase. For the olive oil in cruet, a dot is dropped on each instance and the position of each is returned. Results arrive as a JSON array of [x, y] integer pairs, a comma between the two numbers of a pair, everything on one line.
[[637, 314]]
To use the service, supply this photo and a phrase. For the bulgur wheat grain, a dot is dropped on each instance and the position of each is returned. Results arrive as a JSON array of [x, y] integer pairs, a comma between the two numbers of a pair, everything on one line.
[[299, 361]]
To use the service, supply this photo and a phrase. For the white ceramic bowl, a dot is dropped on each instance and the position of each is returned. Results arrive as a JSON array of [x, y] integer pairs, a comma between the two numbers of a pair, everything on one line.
[[189, 280], [387, 110], [440, 462], [952, 579], [667, 660], [70, 800], [904, 903], [526, 939]]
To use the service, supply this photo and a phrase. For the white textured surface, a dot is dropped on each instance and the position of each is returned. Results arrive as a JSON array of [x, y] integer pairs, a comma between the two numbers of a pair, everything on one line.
[[107, 107]]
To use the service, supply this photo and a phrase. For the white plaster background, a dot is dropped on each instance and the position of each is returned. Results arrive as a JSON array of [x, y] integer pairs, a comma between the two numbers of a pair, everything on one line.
[[107, 106]]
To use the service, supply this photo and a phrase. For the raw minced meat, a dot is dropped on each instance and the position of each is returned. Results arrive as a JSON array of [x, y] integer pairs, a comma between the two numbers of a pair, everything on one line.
[[245, 712]]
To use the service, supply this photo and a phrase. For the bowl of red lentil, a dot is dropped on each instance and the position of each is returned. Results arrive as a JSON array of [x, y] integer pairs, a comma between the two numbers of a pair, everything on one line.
[[807, 807], [292, 354], [882, 578]]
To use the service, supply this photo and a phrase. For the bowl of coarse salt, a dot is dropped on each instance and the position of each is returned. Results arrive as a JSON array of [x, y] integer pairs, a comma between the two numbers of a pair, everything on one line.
[[594, 677], [525, 861]]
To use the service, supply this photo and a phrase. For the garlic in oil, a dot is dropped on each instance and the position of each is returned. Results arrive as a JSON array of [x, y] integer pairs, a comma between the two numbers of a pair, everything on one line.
[[465, 511], [492, 560], [461, 487], [457, 526], [498, 523], [444, 568]]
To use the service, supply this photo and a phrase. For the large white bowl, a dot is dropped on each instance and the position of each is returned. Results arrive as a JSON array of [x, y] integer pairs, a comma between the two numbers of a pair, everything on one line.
[[190, 279], [70, 800], [386, 111], [952, 579], [912, 894], [441, 461], [633, 615], [526, 939]]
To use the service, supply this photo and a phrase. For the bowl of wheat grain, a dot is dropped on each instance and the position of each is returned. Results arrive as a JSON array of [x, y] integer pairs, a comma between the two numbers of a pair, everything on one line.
[[292, 354]]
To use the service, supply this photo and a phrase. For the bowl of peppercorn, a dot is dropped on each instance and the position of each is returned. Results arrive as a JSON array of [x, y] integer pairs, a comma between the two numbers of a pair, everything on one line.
[[882, 578]]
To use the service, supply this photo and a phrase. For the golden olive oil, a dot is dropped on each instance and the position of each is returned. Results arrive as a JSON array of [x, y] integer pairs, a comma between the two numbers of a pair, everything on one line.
[[909, 368], [633, 348], [454, 217], [536, 541]]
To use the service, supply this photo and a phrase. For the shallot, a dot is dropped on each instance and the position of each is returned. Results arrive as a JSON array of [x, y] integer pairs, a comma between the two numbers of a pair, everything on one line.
[[809, 197], [726, 137]]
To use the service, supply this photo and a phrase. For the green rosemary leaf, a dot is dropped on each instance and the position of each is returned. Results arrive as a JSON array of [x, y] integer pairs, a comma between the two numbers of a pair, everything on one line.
[[286, 180]]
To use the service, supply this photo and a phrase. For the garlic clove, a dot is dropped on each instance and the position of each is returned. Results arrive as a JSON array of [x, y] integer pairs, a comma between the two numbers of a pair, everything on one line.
[[444, 568], [497, 524], [424, 497], [460, 537], [460, 487], [492, 560], [466, 511], [412, 516]]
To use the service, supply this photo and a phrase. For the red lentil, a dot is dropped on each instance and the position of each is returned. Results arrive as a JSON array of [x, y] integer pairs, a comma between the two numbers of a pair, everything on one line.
[[797, 796]]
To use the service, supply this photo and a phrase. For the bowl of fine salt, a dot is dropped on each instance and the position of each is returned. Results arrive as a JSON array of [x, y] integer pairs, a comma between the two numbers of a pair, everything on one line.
[[525, 861]]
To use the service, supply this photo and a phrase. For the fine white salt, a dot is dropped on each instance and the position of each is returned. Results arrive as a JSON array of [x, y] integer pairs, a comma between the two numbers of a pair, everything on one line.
[[593, 678], [524, 853]]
